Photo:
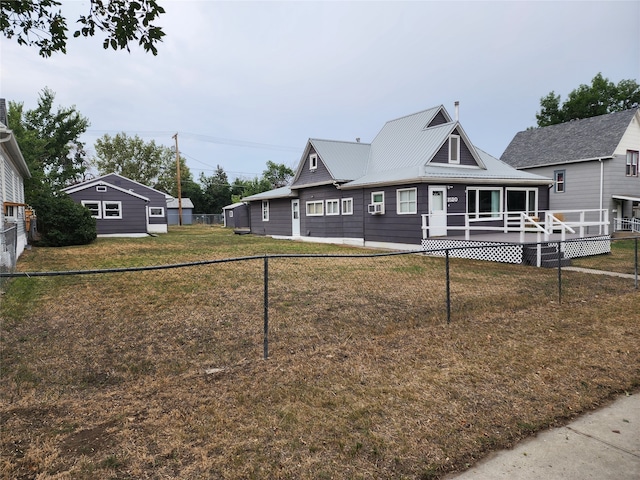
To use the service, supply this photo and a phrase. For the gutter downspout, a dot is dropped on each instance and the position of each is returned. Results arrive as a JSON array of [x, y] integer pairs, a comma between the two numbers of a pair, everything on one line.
[[601, 195]]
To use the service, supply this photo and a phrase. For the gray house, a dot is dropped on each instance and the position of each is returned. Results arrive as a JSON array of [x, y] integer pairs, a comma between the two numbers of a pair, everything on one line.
[[122, 207], [421, 173], [173, 211], [593, 161], [14, 212]]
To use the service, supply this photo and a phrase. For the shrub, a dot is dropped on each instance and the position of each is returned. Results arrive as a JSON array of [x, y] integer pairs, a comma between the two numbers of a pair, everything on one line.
[[63, 222]]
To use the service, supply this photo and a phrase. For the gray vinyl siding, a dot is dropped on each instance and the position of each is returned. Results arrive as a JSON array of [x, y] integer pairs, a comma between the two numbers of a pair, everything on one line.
[[240, 218], [582, 186], [307, 176], [466, 158], [156, 198], [331, 226], [279, 217], [439, 119], [391, 227], [134, 211]]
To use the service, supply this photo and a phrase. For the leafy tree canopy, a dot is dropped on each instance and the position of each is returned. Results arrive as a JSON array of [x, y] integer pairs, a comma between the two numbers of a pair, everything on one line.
[[132, 157], [42, 24], [599, 98], [216, 191], [50, 143], [277, 174]]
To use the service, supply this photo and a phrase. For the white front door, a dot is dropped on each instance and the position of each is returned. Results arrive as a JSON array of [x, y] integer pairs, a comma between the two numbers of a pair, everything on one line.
[[295, 218], [437, 211]]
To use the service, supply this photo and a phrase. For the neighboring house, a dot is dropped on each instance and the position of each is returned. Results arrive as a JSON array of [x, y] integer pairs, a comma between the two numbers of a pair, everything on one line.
[[236, 216], [122, 207], [13, 171], [420, 167], [593, 161], [173, 211]]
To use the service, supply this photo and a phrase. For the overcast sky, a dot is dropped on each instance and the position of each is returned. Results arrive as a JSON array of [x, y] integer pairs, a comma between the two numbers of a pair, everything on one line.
[[247, 82]]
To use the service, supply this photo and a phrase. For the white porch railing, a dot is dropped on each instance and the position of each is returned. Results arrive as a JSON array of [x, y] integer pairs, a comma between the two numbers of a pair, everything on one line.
[[626, 225], [544, 224]]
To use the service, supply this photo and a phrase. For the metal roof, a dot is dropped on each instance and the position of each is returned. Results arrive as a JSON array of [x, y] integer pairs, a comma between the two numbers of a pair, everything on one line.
[[401, 153], [495, 171], [173, 203], [282, 192], [343, 160], [586, 139]]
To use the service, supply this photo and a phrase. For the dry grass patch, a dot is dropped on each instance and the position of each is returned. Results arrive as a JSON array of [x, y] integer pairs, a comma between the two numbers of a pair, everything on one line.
[[160, 374]]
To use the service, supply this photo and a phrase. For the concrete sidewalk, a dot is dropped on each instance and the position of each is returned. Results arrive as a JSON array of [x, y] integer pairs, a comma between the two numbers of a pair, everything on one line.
[[604, 444]]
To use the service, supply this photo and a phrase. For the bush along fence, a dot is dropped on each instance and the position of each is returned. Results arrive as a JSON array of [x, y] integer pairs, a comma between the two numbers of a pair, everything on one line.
[[304, 298]]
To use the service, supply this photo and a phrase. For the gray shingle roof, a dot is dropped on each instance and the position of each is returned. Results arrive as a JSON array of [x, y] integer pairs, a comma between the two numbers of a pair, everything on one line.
[[584, 139]]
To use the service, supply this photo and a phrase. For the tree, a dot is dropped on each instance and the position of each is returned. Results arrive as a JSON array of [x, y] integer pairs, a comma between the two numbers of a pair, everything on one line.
[[62, 222], [132, 157], [41, 24], [278, 175], [216, 191], [50, 143], [599, 98]]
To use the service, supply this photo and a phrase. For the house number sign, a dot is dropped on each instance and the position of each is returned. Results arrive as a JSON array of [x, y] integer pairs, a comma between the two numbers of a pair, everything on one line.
[[452, 199]]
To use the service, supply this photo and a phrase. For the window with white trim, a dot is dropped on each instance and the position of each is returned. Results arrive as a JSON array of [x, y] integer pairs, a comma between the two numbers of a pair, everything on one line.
[[156, 211], [407, 201], [333, 207], [94, 207], [10, 212], [454, 149], [559, 178], [377, 197], [484, 202], [101, 188], [347, 206], [265, 210], [313, 161], [230, 213], [632, 163], [315, 208], [522, 200], [112, 210]]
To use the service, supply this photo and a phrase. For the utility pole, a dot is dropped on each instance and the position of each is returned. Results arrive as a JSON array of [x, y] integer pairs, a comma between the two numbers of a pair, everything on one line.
[[178, 180]]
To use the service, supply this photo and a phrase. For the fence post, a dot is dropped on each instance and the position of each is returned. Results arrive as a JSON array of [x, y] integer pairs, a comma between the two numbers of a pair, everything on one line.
[[636, 262], [559, 275], [448, 286], [266, 307]]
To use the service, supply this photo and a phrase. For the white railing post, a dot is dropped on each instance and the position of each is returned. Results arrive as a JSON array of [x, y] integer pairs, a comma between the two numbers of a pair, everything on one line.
[[466, 226], [582, 224]]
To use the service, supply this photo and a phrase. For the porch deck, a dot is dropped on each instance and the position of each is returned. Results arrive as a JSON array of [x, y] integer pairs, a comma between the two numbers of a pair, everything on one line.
[[510, 248], [520, 237]]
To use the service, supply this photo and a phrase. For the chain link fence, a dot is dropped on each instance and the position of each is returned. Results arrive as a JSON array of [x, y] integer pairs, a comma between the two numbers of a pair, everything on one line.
[[223, 312]]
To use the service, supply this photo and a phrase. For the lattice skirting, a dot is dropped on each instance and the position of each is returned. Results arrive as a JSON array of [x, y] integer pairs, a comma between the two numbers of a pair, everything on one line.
[[489, 251], [588, 247]]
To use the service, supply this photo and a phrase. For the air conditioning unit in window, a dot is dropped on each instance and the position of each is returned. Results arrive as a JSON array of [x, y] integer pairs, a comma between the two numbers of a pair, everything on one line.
[[376, 208]]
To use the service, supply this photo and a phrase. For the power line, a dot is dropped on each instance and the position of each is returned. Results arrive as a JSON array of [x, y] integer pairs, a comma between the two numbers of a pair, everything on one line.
[[204, 138]]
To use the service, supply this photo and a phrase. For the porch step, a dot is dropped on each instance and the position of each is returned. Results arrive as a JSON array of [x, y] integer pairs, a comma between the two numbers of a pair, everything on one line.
[[548, 256]]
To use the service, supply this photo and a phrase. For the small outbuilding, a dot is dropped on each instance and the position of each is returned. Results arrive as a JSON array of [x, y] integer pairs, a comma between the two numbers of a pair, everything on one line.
[[173, 211], [236, 216]]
